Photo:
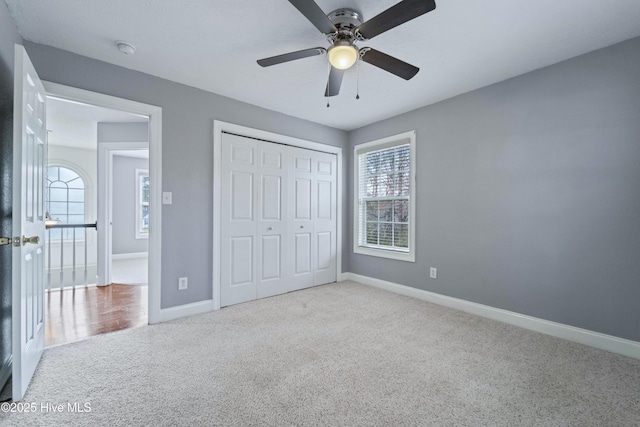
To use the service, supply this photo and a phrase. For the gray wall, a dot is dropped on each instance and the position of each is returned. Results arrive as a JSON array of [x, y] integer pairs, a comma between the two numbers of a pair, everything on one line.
[[123, 132], [123, 231], [528, 194], [124, 205], [187, 153], [8, 37]]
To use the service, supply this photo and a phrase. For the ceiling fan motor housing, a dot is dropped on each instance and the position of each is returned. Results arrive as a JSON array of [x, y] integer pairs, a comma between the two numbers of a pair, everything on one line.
[[346, 21]]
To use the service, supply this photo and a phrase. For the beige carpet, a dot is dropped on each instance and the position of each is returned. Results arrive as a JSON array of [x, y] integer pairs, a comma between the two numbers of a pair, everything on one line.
[[336, 355]]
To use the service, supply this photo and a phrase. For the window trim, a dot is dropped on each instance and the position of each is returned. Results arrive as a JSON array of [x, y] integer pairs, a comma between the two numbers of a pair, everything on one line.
[[56, 163], [379, 144], [138, 204]]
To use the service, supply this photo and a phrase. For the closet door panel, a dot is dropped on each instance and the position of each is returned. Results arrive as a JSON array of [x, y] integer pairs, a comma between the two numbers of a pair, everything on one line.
[[238, 219], [324, 218], [272, 229]]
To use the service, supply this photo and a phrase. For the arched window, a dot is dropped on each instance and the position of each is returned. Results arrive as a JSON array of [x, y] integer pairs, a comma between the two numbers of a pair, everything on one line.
[[65, 198]]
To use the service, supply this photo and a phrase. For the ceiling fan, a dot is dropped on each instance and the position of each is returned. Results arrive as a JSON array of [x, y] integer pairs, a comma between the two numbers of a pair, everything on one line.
[[343, 28]]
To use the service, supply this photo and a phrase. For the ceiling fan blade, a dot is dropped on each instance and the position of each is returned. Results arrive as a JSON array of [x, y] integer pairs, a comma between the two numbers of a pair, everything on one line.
[[396, 15], [313, 13], [335, 80], [291, 56], [388, 63]]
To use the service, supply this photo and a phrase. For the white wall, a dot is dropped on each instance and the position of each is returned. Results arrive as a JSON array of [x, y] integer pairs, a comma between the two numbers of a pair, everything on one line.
[[123, 231]]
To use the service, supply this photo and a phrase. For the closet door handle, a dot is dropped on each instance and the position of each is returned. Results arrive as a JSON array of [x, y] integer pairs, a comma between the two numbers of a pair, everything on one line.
[[302, 226], [270, 228]]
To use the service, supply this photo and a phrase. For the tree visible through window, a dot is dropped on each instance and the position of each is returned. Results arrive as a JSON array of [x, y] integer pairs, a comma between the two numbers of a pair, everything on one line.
[[65, 198], [386, 197]]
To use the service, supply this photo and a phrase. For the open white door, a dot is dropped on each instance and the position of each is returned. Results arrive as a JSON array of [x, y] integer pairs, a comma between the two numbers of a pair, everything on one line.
[[29, 156]]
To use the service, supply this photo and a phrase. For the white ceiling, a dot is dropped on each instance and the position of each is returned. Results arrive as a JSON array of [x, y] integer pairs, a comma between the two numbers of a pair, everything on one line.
[[74, 124], [214, 45], [62, 108]]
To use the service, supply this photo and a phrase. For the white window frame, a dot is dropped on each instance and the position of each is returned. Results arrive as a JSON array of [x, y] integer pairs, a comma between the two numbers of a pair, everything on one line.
[[138, 206], [379, 144], [87, 197]]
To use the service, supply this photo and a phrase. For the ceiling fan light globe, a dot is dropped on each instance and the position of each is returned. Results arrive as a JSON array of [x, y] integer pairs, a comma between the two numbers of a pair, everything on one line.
[[342, 57]]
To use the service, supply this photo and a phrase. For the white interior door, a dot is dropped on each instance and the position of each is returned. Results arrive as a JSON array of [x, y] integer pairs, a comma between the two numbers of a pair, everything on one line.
[[29, 157], [272, 196], [278, 219], [325, 221], [312, 230], [238, 216], [301, 226]]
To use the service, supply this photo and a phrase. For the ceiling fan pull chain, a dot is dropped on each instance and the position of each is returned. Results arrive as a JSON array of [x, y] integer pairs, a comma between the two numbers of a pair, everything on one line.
[[358, 77], [328, 84]]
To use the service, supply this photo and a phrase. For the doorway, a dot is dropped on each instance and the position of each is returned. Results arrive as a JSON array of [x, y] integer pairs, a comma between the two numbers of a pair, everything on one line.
[[153, 116], [155, 176], [76, 308]]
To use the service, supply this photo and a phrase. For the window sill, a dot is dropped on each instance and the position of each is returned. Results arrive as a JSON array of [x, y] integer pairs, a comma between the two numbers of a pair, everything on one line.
[[385, 253]]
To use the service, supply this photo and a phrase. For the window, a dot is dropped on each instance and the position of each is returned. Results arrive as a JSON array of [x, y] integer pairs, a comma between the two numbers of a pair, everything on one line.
[[65, 199], [385, 203], [142, 204]]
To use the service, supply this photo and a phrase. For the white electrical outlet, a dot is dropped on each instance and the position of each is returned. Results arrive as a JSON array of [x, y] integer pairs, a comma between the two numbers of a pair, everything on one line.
[[183, 283], [433, 273]]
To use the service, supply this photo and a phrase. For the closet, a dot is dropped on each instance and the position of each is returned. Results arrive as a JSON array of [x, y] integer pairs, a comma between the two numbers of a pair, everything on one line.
[[278, 219]]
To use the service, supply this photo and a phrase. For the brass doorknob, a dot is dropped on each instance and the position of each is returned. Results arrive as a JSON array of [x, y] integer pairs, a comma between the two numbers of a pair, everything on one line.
[[35, 240]]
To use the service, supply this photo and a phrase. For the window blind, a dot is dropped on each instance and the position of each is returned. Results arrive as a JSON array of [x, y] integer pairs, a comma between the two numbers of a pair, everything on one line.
[[384, 178]]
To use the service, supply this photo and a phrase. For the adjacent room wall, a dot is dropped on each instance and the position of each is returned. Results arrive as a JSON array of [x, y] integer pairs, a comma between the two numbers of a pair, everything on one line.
[[528, 194], [123, 176], [187, 153], [123, 132], [124, 206], [8, 37]]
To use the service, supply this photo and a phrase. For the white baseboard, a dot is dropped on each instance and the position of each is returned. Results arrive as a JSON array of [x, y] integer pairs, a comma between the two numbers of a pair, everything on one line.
[[571, 333], [5, 371], [185, 310], [132, 255]]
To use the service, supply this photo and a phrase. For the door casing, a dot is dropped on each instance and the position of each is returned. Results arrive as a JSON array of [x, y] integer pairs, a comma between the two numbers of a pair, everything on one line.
[[155, 175]]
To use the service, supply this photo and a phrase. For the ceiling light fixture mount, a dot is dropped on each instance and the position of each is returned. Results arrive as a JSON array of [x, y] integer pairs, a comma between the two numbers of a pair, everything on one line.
[[343, 53], [125, 48]]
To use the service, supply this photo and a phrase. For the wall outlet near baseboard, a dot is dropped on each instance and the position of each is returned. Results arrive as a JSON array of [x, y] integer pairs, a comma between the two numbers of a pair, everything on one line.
[[183, 283], [433, 273]]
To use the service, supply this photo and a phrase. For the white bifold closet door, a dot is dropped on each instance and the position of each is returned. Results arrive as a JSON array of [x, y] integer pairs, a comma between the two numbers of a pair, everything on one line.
[[278, 222]]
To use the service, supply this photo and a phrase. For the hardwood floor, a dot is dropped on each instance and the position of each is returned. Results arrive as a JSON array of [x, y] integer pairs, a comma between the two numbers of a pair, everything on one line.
[[74, 315]]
